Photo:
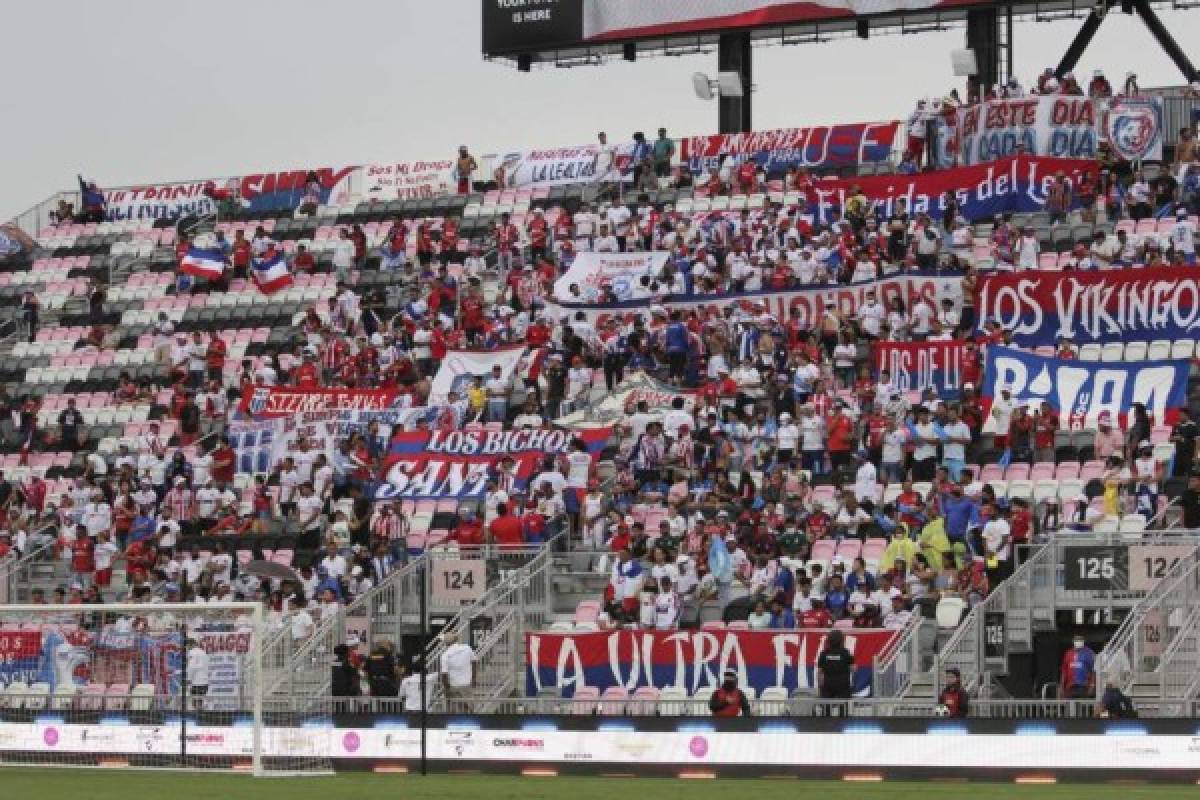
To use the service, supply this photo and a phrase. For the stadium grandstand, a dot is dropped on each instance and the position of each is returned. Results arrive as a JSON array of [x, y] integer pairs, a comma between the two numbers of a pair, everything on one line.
[[606, 452]]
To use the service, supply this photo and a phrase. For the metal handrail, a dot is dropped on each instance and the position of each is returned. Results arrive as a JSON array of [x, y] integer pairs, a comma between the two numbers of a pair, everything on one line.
[[906, 643], [1119, 654], [12, 568]]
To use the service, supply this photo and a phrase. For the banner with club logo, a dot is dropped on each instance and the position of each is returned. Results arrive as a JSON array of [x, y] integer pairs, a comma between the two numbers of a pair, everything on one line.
[[1134, 128], [596, 273], [817, 147], [460, 367], [277, 401], [1081, 390]]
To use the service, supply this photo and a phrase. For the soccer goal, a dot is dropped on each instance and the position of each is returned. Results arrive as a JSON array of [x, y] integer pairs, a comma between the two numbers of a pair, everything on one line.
[[154, 685]]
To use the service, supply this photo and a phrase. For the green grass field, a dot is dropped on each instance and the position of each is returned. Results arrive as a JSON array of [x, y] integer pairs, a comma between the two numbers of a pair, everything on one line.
[[52, 784]]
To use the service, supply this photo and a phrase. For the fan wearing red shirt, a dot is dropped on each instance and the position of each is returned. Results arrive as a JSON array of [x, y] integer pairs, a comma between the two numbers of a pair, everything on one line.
[[307, 376], [1045, 425], [83, 562], [224, 458], [538, 334], [450, 242], [970, 369], [424, 244], [533, 525], [816, 617], [469, 531], [214, 357], [506, 529], [303, 261], [841, 436], [241, 253], [747, 176], [539, 234], [817, 524]]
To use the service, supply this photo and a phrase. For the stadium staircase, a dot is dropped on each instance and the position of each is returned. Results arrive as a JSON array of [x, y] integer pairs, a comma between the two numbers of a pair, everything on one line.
[[1154, 656], [298, 671]]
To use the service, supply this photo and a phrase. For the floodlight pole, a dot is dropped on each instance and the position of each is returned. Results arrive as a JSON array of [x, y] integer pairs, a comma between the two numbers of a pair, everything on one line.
[[734, 54]]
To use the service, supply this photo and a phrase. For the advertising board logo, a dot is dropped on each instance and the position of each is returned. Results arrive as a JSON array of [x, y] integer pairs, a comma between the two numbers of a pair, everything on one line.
[[698, 746], [460, 741], [50, 736], [351, 742], [519, 744]]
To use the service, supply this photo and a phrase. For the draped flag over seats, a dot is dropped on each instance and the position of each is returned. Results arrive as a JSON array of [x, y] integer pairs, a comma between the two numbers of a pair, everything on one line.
[[689, 659], [1081, 390], [271, 272], [203, 262]]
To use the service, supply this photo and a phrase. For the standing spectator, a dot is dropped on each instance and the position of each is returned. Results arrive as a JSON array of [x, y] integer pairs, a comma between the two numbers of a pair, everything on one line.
[[1183, 435], [1078, 678], [197, 672], [344, 681], [834, 668], [457, 668], [1059, 198], [664, 151], [70, 425], [728, 700], [953, 697], [464, 167], [91, 200]]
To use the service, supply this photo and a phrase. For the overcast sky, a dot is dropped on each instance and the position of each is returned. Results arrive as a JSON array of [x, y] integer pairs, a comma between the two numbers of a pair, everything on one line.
[[140, 91]]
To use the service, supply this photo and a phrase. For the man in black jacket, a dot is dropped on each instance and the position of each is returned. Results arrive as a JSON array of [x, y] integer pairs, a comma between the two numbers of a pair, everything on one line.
[[345, 680]]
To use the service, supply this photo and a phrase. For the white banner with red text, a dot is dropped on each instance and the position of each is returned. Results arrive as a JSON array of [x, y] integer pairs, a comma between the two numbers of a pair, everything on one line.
[[601, 274]]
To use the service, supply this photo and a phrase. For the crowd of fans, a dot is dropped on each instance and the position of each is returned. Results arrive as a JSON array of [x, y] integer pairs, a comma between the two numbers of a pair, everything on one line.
[[781, 435]]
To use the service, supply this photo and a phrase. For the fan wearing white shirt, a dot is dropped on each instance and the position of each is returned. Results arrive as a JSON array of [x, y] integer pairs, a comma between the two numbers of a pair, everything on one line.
[[787, 438], [457, 668]]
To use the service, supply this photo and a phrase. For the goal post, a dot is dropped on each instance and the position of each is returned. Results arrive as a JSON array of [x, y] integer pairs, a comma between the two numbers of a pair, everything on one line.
[[150, 685]]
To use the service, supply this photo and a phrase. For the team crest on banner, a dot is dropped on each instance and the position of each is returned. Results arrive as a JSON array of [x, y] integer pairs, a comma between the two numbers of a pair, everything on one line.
[[460, 367], [1082, 390], [1134, 127]]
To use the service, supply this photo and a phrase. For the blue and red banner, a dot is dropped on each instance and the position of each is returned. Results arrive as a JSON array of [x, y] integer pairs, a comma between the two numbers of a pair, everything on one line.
[[458, 463], [1016, 184], [1094, 306], [916, 366], [690, 659], [1081, 390], [818, 147]]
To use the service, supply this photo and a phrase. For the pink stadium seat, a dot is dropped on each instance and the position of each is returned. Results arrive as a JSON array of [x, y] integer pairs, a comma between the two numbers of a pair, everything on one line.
[[585, 700], [643, 701], [990, 473], [738, 625], [1017, 472], [1042, 471], [713, 625], [823, 550], [587, 612], [848, 549], [1091, 470], [1066, 471], [613, 701], [873, 550]]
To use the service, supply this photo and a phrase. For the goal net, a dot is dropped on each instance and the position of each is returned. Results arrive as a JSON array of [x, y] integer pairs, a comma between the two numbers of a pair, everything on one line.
[[153, 685]]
